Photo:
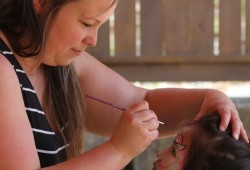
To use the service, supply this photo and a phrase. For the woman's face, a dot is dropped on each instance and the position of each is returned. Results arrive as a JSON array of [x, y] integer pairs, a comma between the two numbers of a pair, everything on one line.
[[73, 29], [172, 158]]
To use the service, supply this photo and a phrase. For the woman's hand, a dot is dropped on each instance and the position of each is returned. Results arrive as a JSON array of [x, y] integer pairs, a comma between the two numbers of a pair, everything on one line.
[[136, 129], [216, 101]]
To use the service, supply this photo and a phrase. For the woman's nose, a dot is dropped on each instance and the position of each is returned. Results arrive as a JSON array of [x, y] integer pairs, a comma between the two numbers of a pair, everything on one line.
[[91, 38]]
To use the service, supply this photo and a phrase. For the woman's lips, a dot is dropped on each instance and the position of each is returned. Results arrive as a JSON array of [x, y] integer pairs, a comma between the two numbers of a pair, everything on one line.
[[77, 52]]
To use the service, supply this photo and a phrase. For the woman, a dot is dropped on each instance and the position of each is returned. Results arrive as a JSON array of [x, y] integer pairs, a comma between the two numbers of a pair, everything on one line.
[[44, 41], [202, 146]]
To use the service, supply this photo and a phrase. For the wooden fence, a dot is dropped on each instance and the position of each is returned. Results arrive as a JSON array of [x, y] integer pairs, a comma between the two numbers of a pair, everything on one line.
[[177, 40]]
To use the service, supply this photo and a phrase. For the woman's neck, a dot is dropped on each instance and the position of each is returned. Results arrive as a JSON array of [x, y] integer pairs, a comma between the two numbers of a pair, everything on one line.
[[31, 65]]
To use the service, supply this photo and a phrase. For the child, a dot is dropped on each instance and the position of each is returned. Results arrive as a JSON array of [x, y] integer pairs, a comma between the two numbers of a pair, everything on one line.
[[202, 146]]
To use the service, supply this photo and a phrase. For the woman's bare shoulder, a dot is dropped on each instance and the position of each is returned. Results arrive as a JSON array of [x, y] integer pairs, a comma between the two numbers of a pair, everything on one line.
[[6, 68], [9, 85], [15, 127]]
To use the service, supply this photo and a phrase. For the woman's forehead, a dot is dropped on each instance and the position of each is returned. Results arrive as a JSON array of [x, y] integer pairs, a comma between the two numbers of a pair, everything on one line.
[[92, 8]]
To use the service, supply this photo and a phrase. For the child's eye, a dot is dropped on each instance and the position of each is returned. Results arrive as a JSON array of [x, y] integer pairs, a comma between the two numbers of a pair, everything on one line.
[[173, 150]]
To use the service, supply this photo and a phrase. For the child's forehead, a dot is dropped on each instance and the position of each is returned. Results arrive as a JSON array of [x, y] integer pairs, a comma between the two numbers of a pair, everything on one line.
[[188, 128], [187, 131]]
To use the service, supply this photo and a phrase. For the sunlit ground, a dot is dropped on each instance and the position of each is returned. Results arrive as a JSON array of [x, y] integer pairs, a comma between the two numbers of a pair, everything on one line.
[[231, 88]]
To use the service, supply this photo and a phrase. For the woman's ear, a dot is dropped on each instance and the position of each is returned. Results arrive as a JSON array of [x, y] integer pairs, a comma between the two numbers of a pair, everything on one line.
[[38, 5]]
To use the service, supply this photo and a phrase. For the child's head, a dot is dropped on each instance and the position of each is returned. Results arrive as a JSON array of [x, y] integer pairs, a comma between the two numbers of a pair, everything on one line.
[[202, 146]]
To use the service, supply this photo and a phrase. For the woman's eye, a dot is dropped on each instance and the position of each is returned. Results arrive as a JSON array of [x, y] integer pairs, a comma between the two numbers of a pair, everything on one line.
[[86, 24]]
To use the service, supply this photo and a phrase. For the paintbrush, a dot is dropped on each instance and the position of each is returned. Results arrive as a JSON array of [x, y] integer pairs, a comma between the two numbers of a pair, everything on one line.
[[111, 104]]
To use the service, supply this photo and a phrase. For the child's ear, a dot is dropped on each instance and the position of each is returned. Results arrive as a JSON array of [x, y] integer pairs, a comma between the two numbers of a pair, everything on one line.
[[38, 5]]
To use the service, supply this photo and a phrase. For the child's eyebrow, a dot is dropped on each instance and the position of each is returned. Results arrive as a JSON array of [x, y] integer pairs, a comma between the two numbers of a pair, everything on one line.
[[191, 122], [178, 136], [179, 144]]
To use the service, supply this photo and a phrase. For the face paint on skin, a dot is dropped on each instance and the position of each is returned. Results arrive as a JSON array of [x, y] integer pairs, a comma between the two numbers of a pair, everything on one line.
[[173, 157]]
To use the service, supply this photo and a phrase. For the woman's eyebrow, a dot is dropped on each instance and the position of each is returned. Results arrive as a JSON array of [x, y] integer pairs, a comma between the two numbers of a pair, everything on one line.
[[91, 18]]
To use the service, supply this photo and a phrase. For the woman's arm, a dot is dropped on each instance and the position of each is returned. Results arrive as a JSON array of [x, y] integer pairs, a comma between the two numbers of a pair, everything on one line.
[[177, 106], [131, 137], [101, 82], [17, 147], [172, 105], [137, 128]]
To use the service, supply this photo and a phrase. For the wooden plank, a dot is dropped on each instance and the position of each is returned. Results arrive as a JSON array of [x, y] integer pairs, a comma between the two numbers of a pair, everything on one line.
[[247, 27], [125, 29], [102, 47], [177, 68], [189, 27], [201, 32], [162, 60], [176, 26], [185, 72], [152, 27], [230, 27]]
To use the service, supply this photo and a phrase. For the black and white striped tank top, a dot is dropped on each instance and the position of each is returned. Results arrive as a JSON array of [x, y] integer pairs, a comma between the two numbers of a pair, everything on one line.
[[50, 147]]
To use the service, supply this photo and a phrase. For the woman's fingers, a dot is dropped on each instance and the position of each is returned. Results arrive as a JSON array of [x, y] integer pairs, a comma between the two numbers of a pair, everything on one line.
[[236, 126], [225, 115], [243, 134], [145, 116], [216, 101], [136, 129]]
